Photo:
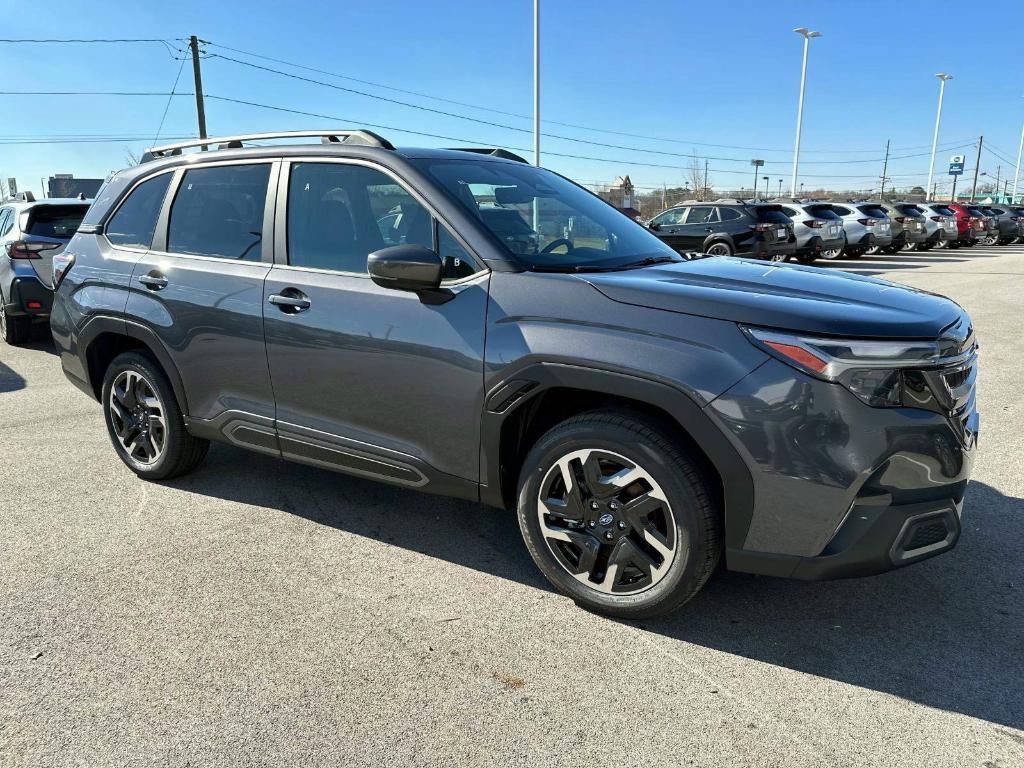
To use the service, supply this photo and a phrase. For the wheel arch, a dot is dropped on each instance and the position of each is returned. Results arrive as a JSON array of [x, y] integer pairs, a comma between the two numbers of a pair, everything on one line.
[[104, 338], [718, 237], [521, 408]]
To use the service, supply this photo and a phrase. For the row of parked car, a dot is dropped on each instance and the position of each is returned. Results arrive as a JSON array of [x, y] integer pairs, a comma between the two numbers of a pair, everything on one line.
[[778, 230]]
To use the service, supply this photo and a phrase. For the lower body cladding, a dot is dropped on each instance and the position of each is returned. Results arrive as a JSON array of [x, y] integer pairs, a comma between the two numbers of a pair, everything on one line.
[[840, 488], [871, 240], [817, 244], [938, 236], [908, 237], [28, 296]]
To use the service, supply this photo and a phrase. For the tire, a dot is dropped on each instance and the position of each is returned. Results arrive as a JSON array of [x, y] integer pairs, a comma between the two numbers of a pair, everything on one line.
[[719, 248], [135, 381], [835, 253], [807, 257], [952, 244], [678, 541], [925, 246], [14, 329], [854, 253], [892, 250], [874, 250]]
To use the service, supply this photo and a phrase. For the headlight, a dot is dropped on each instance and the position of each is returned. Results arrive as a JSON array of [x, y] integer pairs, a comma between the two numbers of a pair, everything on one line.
[[872, 370]]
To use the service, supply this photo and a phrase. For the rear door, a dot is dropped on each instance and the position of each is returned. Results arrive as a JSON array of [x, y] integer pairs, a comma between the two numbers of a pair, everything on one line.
[[701, 222], [200, 290]]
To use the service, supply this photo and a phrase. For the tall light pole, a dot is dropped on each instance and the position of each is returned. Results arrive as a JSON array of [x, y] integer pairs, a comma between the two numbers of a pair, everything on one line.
[[1016, 174], [536, 82], [807, 35], [943, 77]]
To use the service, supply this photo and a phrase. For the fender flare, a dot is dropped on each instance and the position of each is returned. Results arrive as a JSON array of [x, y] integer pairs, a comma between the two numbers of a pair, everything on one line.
[[520, 388], [119, 326], [718, 238]]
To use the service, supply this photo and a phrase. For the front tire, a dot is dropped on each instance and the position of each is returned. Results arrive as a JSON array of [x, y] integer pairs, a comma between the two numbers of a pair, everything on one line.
[[618, 516], [144, 421]]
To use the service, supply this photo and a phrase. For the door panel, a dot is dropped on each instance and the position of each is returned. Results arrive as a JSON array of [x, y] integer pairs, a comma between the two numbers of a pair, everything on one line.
[[209, 316], [366, 368], [700, 223]]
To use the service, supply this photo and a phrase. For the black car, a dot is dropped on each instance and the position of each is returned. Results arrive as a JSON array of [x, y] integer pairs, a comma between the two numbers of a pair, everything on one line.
[[1007, 222], [363, 308], [727, 228]]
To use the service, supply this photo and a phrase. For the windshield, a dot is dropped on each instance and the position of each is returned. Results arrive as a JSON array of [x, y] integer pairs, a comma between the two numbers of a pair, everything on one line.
[[545, 221]]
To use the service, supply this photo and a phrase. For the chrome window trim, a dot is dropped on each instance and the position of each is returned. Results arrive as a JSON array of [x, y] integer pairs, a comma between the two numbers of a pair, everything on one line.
[[281, 218]]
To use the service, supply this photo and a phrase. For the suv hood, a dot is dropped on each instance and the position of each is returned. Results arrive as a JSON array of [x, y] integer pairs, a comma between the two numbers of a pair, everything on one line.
[[805, 299]]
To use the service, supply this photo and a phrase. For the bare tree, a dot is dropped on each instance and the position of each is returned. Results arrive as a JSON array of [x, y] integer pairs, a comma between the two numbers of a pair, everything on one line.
[[697, 178]]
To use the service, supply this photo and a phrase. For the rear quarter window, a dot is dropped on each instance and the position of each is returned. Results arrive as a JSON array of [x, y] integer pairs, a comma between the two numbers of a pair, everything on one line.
[[874, 211], [134, 223], [823, 212]]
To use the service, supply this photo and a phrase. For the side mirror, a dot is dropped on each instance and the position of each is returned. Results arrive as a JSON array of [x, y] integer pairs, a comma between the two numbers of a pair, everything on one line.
[[409, 268], [652, 226]]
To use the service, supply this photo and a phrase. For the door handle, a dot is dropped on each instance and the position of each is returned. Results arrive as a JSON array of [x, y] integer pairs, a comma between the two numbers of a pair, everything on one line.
[[154, 281], [291, 302]]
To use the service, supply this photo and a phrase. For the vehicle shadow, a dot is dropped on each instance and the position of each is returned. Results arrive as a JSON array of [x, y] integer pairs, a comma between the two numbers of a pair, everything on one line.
[[947, 633], [10, 380]]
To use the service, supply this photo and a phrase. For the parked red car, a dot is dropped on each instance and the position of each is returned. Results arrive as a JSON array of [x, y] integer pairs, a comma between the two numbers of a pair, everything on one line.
[[970, 223]]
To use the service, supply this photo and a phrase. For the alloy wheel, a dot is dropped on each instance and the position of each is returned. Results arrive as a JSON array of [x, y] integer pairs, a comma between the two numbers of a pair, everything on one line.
[[719, 249], [832, 253], [137, 417], [607, 522]]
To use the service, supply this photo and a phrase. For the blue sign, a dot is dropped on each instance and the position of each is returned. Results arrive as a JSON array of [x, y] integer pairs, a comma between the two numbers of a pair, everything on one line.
[[956, 165]]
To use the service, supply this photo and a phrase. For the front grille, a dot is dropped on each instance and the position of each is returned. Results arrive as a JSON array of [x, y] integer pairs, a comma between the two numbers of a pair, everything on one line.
[[924, 535]]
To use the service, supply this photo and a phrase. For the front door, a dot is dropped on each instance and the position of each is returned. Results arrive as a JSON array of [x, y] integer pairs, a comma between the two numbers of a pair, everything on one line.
[[200, 290], [370, 380]]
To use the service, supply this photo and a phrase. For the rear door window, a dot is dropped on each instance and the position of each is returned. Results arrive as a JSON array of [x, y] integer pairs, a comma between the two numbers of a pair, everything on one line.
[[841, 210], [134, 223], [57, 221], [702, 214], [218, 212]]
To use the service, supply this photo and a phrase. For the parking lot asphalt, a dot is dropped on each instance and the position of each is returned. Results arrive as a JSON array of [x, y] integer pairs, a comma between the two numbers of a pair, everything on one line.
[[262, 613]]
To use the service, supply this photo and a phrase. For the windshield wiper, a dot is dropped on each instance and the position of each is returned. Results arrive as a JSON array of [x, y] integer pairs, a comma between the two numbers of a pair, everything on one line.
[[576, 268]]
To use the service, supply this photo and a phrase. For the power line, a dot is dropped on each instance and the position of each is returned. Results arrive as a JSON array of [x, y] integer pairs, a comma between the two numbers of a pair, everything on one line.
[[170, 97], [433, 97], [93, 93]]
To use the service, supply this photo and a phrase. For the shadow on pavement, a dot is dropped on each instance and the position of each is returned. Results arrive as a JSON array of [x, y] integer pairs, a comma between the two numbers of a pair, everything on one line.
[[946, 633], [10, 380]]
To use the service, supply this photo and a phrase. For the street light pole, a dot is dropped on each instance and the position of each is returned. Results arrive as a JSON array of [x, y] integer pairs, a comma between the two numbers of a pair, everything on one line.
[[807, 35], [1016, 174], [536, 82], [943, 77]]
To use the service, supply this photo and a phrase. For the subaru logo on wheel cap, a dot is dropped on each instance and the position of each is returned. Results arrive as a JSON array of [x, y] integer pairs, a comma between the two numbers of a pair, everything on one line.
[[605, 519]]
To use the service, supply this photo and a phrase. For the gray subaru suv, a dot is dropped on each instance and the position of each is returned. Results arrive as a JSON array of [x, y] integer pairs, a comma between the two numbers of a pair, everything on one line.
[[373, 310]]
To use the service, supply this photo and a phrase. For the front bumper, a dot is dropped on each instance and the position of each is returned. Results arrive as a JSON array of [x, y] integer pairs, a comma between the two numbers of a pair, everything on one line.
[[30, 297], [841, 489]]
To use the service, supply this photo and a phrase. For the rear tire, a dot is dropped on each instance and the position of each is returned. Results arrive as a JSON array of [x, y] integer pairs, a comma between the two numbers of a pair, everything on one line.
[[719, 249], [618, 516], [144, 421], [14, 329]]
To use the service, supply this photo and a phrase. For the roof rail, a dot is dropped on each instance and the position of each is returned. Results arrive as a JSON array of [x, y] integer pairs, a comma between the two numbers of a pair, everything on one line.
[[25, 197], [365, 138], [504, 154]]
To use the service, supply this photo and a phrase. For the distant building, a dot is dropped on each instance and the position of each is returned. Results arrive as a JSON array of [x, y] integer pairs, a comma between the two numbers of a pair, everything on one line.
[[621, 194], [66, 185]]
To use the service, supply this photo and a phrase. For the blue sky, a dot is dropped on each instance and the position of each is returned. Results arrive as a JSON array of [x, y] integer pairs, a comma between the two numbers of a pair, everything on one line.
[[698, 74]]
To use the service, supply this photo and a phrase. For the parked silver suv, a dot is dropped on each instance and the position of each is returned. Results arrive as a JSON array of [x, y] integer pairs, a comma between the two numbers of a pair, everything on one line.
[[32, 232], [818, 229], [865, 226]]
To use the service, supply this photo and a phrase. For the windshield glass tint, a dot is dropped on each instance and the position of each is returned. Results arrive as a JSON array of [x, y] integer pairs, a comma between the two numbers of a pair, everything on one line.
[[544, 220], [57, 221]]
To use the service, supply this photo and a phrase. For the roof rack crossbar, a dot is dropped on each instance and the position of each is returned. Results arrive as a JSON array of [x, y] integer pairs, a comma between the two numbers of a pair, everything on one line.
[[365, 138], [494, 151]]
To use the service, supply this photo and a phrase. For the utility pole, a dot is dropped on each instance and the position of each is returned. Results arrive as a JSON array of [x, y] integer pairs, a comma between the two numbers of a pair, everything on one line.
[[885, 167], [536, 82], [705, 178], [952, 195], [977, 164], [193, 44], [998, 168], [780, 190], [664, 194], [1016, 175]]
